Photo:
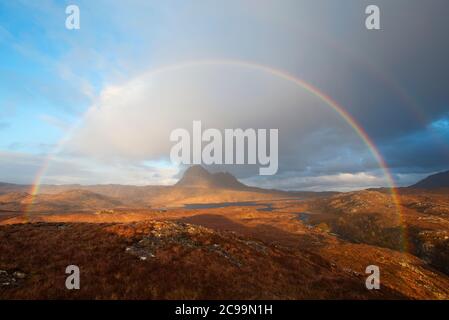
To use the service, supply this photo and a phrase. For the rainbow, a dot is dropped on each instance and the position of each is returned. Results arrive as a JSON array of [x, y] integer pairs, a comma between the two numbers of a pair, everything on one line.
[[292, 79]]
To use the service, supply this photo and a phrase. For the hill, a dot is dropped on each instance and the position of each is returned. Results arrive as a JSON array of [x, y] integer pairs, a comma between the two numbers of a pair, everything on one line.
[[438, 180], [369, 216], [276, 248], [70, 200], [166, 260], [198, 177]]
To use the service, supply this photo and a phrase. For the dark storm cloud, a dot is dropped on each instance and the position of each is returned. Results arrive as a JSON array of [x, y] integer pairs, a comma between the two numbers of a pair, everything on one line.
[[395, 81], [422, 151]]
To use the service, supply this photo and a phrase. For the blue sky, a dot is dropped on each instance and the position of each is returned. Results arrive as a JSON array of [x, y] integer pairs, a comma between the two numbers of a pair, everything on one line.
[[31, 89], [68, 85]]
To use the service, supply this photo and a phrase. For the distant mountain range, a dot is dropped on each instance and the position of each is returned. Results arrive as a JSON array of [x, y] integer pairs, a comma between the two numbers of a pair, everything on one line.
[[195, 177], [196, 186], [438, 180]]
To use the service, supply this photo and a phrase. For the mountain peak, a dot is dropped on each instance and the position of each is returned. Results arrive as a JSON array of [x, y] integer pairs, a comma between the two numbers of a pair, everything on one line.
[[197, 171], [437, 180], [198, 176]]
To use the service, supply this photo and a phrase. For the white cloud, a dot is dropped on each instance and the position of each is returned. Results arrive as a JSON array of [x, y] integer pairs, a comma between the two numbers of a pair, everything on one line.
[[331, 182], [24, 168]]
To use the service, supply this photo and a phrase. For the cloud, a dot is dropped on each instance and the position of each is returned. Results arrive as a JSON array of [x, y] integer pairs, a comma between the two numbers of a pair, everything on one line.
[[24, 168], [425, 150], [332, 182], [134, 121], [396, 90]]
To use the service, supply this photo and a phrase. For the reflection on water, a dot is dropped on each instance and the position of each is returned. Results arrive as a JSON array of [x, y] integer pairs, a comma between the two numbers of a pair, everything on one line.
[[268, 206]]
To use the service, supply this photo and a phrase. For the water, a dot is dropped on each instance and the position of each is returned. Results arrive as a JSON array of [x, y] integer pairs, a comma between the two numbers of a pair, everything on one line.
[[269, 207], [304, 217], [229, 204]]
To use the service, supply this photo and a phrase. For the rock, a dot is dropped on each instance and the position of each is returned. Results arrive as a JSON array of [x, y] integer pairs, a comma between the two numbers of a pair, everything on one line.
[[19, 275], [7, 279], [4, 278]]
